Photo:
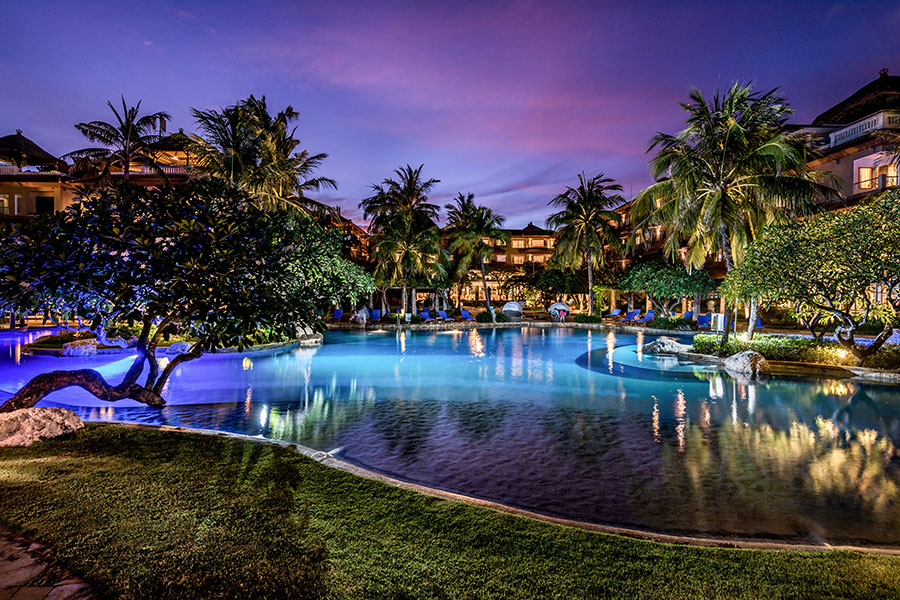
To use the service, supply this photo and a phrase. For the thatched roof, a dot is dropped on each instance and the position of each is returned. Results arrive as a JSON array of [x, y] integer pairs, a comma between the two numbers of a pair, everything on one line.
[[880, 94], [20, 151]]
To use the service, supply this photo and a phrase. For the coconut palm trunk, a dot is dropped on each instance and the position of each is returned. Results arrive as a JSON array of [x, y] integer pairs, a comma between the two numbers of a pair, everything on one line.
[[725, 240], [590, 270], [487, 294], [754, 312]]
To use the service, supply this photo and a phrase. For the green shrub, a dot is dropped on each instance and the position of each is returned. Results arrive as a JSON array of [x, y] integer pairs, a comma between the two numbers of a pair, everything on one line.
[[400, 319], [485, 317], [672, 323], [775, 347], [585, 318]]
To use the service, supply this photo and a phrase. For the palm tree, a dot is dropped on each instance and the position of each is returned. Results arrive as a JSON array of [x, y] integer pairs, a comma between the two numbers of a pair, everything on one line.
[[405, 240], [130, 138], [586, 223], [257, 151], [473, 232], [734, 169]]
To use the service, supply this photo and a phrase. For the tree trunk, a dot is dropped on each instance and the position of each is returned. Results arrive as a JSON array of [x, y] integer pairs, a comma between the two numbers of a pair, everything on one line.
[[403, 298], [726, 250], [590, 270], [860, 352], [487, 294], [92, 381], [754, 311]]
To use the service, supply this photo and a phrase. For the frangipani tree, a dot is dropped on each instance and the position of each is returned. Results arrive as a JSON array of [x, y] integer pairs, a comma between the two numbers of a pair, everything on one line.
[[666, 284], [200, 260], [831, 264]]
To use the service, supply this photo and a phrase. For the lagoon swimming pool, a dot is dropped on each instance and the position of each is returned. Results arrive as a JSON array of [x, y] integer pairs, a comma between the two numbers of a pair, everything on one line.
[[567, 422]]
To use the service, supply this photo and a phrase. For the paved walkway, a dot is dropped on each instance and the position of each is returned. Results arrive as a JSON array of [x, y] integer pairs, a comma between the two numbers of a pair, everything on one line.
[[26, 574]]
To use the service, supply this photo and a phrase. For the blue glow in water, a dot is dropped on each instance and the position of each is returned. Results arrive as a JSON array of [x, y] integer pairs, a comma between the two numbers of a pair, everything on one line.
[[568, 422]]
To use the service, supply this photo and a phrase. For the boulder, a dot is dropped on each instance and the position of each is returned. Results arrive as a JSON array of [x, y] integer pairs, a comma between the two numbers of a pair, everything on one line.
[[80, 348], [25, 426], [665, 345], [178, 348], [747, 362]]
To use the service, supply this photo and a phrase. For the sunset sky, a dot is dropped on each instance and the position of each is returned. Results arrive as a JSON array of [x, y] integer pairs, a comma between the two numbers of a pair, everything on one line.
[[508, 100]]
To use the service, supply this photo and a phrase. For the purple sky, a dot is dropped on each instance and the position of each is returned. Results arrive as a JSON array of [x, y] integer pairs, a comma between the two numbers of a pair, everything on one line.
[[508, 100]]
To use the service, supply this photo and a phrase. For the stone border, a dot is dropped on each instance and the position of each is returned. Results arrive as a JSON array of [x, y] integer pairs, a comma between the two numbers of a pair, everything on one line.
[[27, 570], [334, 462], [466, 325], [307, 341]]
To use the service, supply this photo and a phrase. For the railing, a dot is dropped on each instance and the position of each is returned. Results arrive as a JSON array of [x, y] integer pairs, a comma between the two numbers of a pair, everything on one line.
[[168, 170], [881, 120], [9, 169], [876, 183]]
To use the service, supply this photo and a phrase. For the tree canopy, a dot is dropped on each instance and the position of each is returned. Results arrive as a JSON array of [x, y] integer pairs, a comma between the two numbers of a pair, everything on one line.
[[666, 283], [831, 263], [200, 259]]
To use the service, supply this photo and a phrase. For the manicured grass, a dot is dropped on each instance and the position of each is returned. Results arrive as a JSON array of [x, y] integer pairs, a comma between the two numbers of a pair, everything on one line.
[[149, 514]]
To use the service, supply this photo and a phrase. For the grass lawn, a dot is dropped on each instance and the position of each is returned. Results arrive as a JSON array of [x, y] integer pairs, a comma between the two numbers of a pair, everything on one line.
[[150, 514]]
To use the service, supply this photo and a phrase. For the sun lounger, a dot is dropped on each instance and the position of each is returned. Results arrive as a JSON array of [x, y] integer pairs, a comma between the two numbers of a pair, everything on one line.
[[376, 314], [465, 315], [442, 316], [630, 316], [688, 315], [759, 324], [338, 314], [425, 316], [703, 321], [646, 318], [614, 313]]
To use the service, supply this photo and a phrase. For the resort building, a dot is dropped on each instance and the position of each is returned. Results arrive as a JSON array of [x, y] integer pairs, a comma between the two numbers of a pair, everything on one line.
[[32, 181], [856, 137]]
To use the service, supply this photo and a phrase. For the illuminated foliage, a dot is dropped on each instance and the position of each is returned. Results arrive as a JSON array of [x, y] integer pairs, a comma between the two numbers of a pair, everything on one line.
[[200, 260], [665, 283]]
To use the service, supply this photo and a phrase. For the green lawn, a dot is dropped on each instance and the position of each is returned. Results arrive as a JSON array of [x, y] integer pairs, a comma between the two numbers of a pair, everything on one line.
[[150, 514]]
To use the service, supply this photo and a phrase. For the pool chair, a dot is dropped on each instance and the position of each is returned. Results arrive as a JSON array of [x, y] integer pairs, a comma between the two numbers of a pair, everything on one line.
[[688, 315], [629, 316], [646, 318], [465, 315], [442, 316], [614, 313], [338, 314], [703, 321], [426, 317], [376, 315], [759, 324]]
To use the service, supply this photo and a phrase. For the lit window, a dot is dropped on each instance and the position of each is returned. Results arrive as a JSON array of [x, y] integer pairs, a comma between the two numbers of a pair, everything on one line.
[[500, 257], [4, 204], [866, 178], [518, 260], [518, 243]]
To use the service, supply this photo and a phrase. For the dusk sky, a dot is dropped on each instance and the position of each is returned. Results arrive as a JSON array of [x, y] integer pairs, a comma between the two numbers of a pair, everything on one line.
[[508, 100]]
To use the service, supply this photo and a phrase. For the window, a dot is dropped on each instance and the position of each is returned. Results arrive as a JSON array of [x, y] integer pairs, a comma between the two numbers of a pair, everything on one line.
[[500, 257], [518, 260], [518, 243], [4, 204], [866, 179], [537, 243]]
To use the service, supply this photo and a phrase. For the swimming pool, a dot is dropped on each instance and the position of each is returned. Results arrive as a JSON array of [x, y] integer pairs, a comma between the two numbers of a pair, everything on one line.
[[572, 423]]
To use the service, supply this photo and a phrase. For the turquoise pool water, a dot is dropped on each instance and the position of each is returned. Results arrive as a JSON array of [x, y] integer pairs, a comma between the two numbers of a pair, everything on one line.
[[573, 423]]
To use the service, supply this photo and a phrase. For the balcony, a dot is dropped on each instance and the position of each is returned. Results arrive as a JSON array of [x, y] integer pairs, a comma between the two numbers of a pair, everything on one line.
[[881, 120]]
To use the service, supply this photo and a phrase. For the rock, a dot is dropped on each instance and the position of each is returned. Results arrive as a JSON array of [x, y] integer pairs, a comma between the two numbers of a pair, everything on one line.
[[179, 348], [665, 345], [25, 426], [747, 362], [80, 348]]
